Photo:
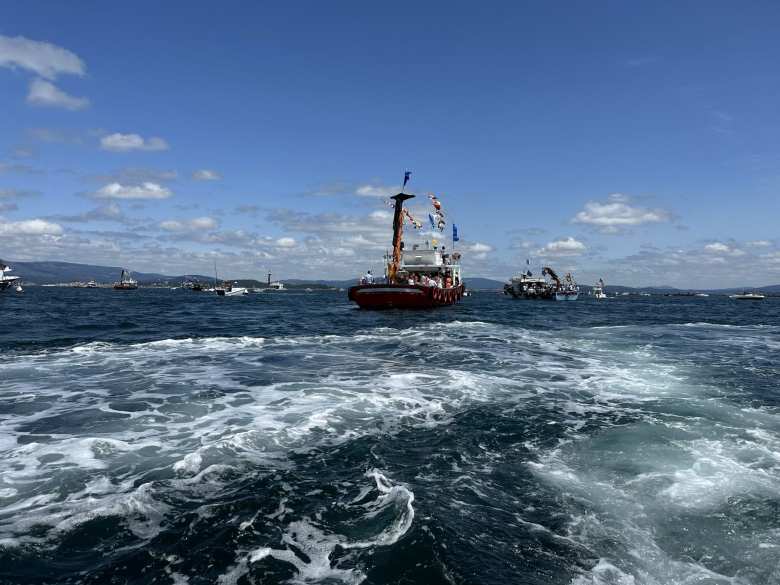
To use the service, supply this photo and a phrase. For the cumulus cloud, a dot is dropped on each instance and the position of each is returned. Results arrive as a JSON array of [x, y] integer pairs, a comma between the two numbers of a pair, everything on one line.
[[375, 191], [45, 93], [30, 227], [617, 214], [723, 249], [478, 250], [147, 190], [189, 225], [563, 247], [43, 59], [118, 142], [286, 242], [206, 175]]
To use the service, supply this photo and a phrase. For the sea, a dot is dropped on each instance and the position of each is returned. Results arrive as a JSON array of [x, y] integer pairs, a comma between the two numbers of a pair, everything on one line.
[[172, 437]]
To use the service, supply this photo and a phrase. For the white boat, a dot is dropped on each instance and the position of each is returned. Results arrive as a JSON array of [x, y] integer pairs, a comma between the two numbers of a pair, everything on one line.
[[229, 290], [748, 296], [598, 290], [273, 286], [126, 281], [7, 281]]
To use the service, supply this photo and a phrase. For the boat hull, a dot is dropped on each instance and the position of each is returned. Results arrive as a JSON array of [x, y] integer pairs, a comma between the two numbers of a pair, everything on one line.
[[567, 296], [401, 296], [125, 286]]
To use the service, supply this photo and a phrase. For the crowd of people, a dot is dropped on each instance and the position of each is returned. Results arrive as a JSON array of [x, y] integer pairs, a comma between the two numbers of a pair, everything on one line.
[[414, 279]]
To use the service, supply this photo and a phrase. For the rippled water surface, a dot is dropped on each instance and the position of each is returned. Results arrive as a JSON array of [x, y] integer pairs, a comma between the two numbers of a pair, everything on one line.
[[164, 436]]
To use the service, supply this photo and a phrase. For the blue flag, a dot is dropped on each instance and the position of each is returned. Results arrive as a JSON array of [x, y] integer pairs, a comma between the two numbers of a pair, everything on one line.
[[407, 175], [455, 237], [433, 221]]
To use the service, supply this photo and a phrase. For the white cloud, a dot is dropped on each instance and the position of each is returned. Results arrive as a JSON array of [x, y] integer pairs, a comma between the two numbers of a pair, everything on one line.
[[147, 190], [44, 93], [759, 244], [286, 242], [717, 248], [30, 227], [478, 250], [41, 58], [376, 191], [197, 224], [381, 216], [616, 214], [206, 175], [721, 248], [565, 247], [118, 142]]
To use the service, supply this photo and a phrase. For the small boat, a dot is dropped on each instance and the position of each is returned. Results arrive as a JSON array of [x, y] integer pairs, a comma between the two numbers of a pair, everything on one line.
[[420, 278], [702, 295], [748, 296], [126, 282], [275, 286], [91, 284], [568, 289], [598, 290], [7, 281], [231, 290]]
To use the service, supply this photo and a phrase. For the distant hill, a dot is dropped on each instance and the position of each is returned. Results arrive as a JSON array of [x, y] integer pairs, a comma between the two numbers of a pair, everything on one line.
[[56, 272], [61, 272]]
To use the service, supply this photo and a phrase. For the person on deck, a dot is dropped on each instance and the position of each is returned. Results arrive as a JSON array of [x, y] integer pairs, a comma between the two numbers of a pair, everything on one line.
[[368, 278]]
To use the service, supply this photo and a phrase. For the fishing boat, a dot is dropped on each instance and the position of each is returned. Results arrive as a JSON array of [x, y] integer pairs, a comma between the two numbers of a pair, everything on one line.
[[231, 289], [546, 287], [275, 286], [748, 296], [126, 281], [7, 281], [424, 277]]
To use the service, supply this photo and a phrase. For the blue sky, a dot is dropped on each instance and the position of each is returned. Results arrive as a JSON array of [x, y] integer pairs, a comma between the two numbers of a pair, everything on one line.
[[636, 142]]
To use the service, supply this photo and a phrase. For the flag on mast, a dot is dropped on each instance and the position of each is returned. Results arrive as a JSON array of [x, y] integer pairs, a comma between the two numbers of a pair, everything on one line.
[[407, 176], [455, 237]]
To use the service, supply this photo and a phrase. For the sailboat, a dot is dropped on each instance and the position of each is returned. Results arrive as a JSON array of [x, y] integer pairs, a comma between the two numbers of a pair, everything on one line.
[[126, 282]]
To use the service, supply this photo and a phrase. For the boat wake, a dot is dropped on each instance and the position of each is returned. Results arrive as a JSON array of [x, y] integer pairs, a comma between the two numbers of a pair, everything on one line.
[[605, 455]]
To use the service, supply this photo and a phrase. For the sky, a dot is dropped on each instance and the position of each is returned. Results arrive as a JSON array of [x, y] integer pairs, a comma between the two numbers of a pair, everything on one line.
[[637, 142]]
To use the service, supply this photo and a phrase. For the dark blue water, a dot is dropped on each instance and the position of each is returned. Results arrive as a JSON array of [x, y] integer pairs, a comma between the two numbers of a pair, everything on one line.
[[163, 436]]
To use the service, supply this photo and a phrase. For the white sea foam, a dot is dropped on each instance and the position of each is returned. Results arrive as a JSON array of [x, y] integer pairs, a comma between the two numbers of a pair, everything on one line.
[[318, 543], [194, 409]]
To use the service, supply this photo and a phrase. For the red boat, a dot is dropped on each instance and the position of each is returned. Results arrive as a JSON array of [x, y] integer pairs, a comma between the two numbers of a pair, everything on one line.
[[420, 278]]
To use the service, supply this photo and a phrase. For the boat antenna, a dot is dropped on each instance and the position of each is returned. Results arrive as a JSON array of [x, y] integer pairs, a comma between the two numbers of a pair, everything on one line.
[[215, 273], [398, 231]]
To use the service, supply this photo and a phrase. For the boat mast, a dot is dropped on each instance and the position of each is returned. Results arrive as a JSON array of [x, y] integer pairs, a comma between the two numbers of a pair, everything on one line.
[[398, 231]]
